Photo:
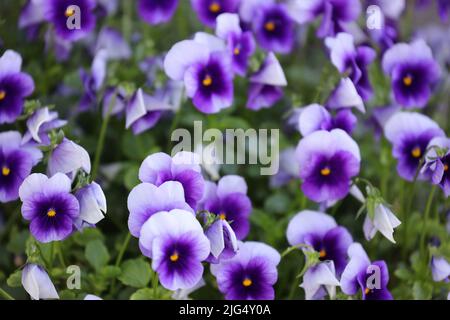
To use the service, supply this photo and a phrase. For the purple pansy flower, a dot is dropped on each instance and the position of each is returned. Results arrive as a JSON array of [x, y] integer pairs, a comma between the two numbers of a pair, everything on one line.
[[410, 133], [328, 160], [208, 10], [14, 86], [250, 274], [266, 84], [68, 157], [37, 283], [16, 162], [92, 202], [437, 165], [222, 238], [316, 117], [345, 96], [240, 45], [205, 73], [39, 124], [355, 60], [62, 13], [230, 202], [440, 268], [335, 14], [49, 206], [413, 72], [177, 246], [157, 11], [147, 199], [358, 273], [273, 27], [321, 232], [288, 171], [183, 167]]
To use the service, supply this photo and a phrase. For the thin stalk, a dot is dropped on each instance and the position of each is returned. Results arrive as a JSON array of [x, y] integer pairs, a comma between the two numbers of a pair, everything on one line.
[[426, 216], [5, 295], [155, 283], [119, 258]]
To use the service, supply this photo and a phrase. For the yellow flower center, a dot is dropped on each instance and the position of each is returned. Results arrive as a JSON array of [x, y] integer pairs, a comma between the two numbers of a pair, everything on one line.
[[269, 26], [247, 282], [407, 81], [416, 152], [445, 167], [6, 171], [69, 12], [325, 171], [214, 7], [174, 257], [51, 213], [236, 51], [322, 253], [222, 216], [2, 94], [367, 291], [207, 81]]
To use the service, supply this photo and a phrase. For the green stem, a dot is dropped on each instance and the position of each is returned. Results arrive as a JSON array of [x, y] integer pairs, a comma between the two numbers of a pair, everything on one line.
[[155, 283], [101, 138], [123, 249], [5, 295], [293, 248], [11, 222], [60, 255], [296, 283], [174, 125], [426, 216]]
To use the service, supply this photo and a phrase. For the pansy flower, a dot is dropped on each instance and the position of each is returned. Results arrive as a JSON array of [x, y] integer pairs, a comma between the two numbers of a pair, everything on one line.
[[15, 86], [177, 246], [410, 133], [273, 27], [183, 167], [437, 165], [359, 274], [250, 274], [266, 84], [230, 202], [16, 162], [68, 157], [240, 44], [205, 73], [208, 10], [37, 283], [50, 207], [345, 96], [321, 233], [39, 124], [60, 13], [336, 14], [157, 11], [440, 268], [315, 117], [222, 238], [92, 202], [147, 199], [328, 160], [352, 60], [413, 72]]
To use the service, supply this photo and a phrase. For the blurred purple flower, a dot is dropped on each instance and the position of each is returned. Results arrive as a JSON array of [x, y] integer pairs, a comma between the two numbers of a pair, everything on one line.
[[250, 274], [289, 169], [39, 124], [410, 133], [157, 11], [352, 60], [266, 84], [358, 271], [437, 165], [16, 162], [208, 10], [49, 205], [440, 269], [15, 86], [413, 72], [68, 157], [335, 14], [177, 246], [328, 160]]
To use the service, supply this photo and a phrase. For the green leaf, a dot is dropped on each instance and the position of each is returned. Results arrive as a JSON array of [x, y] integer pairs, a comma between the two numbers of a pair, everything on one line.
[[403, 274], [135, 273], [422, 291], [131, 178], [97, 254], [87, 235], [143, 294], [110, 272], [15, 279], [17, 242]]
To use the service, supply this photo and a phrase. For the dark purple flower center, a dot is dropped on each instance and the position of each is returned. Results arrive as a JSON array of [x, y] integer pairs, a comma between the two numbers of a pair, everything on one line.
[[178, 255], [211, 79]]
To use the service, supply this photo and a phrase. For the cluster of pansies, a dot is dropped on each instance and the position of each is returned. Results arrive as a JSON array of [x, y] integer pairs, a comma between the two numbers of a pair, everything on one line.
[[364, 116]]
